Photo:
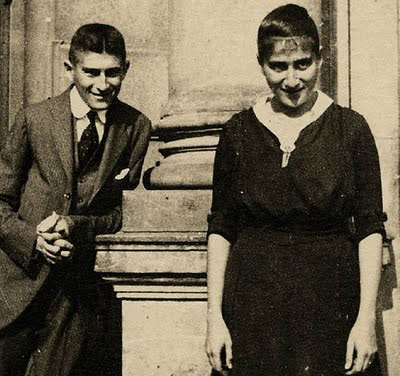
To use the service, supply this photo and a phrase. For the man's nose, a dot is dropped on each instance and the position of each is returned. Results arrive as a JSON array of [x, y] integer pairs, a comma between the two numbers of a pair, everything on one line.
[[102, 82], [292, 79]]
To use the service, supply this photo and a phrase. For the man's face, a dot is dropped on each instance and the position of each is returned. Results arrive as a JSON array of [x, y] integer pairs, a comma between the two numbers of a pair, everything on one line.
[[97, 77]]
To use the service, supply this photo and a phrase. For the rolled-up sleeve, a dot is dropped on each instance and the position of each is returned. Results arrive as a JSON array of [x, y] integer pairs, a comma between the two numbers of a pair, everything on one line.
[[369, 217], [223, 217]]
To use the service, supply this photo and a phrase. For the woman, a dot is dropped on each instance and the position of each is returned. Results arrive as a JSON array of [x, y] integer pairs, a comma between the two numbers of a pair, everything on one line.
[[296, 226]]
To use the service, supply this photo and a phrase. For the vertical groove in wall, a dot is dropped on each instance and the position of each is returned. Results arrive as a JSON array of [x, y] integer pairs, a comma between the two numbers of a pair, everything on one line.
[[398, 95], [349, 46], [4, 68], [329, 72], [51, 33], [17, 57]]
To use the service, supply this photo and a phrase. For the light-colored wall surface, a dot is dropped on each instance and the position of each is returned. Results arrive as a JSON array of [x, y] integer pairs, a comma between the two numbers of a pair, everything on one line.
[[189, 55], [176, 47], [374, 92]]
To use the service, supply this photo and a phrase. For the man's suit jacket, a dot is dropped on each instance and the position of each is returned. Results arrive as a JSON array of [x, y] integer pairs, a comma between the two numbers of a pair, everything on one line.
[[37, 178]]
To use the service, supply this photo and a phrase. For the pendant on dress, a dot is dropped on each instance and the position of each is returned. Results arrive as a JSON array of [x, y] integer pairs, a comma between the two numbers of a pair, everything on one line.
[[287, 150]]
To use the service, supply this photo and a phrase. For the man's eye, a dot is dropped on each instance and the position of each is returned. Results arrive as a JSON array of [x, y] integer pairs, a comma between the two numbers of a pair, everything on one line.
[[277, 67], [114, 72]]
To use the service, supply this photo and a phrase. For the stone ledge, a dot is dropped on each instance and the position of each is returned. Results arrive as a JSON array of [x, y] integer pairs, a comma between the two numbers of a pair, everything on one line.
[[152, 253], [148, 237], [160, 292]]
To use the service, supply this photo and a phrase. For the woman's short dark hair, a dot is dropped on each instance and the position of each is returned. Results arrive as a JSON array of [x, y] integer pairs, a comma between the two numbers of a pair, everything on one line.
[[286, 21], [99, 38]]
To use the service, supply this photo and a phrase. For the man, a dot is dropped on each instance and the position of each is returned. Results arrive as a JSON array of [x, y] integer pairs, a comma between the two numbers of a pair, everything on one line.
[[62, 172]]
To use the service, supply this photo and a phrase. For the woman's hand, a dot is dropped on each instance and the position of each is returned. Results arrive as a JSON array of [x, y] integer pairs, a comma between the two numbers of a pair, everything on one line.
[[361, 346], [218, 341]]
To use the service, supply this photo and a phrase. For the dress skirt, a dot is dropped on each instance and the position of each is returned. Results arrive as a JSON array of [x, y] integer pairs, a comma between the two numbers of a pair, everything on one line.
[[290, 302]]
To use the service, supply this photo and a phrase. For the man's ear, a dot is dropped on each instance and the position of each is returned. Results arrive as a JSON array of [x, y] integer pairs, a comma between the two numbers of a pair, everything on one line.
[[67, 65], [320, 57], [69, 70], [126, 66], [320, 62]]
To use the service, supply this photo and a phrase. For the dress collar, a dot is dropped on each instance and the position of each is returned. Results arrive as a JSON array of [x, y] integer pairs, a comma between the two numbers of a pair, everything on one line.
[[285, 128], [266, 115]]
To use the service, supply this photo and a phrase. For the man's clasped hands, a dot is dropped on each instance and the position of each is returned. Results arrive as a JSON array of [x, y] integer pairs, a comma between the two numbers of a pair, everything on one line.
[[52, 238]]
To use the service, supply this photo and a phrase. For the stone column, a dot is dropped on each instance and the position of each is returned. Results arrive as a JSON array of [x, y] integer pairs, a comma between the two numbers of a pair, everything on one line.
[[212, 74]]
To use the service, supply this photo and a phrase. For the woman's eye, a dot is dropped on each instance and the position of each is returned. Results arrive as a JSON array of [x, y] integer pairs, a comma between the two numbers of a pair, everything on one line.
[[277, 67], [91, 72], [303, 64]]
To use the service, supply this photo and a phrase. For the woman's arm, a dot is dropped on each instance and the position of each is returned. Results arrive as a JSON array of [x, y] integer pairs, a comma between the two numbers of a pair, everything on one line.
[[218, 337], [361, 346], [217, 256], [369, 225], [222, 232], [370, 259]]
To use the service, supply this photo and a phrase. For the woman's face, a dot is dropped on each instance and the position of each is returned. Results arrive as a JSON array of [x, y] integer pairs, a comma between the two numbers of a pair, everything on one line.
[[291, 71]]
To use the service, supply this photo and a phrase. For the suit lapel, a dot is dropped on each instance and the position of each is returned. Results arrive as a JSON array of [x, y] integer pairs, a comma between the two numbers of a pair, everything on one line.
[[115, 144], [62, 132]]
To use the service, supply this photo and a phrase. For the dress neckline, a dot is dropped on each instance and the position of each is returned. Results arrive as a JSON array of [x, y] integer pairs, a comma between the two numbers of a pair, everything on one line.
[[287, 130]]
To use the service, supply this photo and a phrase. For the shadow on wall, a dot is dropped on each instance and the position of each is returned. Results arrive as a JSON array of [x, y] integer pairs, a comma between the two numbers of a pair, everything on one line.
[[385, 301]]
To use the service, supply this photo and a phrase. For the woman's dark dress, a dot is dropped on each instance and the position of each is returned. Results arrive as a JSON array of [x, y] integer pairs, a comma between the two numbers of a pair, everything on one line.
[[291, 292]]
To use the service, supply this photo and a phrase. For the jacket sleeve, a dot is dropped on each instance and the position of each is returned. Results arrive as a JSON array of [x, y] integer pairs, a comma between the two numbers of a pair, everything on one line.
[[17, 237]]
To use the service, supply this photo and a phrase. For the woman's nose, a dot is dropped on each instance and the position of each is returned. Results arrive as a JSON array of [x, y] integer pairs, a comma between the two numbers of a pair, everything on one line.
[[292, 79]]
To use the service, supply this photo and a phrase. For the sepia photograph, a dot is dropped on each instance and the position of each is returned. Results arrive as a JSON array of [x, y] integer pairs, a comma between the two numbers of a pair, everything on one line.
[[199, 188]]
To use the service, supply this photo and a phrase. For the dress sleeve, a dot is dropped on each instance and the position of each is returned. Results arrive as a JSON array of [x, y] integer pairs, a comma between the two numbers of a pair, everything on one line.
[[369, 216], [223, 217]]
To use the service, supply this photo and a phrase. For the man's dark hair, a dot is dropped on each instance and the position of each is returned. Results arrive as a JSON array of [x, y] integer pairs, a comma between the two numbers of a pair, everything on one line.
[[97, 38]]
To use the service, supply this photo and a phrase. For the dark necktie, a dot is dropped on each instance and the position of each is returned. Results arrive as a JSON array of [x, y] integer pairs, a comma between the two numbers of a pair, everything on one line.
[[89, 141]]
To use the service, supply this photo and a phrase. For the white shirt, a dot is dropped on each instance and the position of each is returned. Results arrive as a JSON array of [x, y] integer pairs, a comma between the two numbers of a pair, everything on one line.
[[80, 110]]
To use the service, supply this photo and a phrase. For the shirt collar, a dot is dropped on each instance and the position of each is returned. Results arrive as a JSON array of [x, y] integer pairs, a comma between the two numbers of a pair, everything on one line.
[[79, 108]]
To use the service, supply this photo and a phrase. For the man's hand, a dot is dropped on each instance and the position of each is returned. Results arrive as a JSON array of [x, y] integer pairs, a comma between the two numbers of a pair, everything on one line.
[[61, 224], [52, 241], [48, 224], [64, 226], [53, 248]]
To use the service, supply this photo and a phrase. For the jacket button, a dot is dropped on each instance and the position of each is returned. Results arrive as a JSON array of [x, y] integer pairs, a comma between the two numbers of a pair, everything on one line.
[[67, 195]]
